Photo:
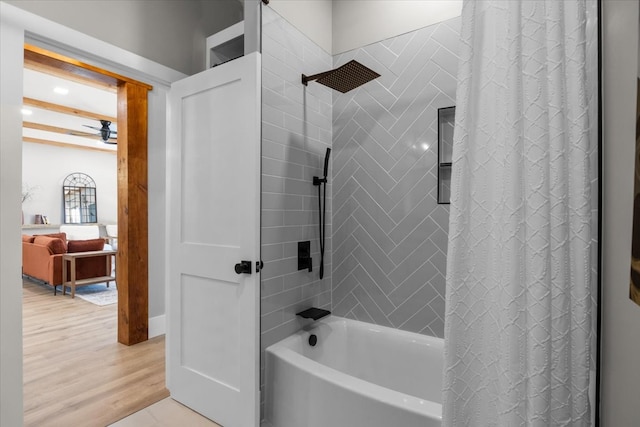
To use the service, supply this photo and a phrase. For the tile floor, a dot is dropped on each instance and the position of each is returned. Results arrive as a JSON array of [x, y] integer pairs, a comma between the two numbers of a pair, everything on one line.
[[165, 413]]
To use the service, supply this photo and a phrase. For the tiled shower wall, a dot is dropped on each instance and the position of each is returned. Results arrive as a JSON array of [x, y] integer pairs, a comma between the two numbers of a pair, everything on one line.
[[390, 235], [296, 131]]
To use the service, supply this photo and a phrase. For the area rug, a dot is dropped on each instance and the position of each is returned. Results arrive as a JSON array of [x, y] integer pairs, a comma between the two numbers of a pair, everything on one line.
[[98, 294]]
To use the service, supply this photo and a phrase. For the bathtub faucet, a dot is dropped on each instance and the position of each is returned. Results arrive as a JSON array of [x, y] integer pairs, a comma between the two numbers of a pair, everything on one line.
[[313, 313]]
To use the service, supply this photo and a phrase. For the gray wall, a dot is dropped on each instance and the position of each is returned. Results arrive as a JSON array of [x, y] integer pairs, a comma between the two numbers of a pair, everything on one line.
[[171, 33], [390, 235], [620, 316], [296, 130]]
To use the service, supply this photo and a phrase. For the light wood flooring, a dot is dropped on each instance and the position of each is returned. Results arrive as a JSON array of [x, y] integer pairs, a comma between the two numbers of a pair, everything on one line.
[[75, 372]]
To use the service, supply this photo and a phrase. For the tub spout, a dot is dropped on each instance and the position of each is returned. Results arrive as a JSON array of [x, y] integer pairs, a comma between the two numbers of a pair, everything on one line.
[[314, 313]]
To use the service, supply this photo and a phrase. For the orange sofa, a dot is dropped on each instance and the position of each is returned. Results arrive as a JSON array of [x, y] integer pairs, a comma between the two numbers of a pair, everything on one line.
[[42, 258]]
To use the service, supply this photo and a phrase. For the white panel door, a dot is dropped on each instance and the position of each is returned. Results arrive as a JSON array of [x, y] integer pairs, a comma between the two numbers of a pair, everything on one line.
[[214, 220]]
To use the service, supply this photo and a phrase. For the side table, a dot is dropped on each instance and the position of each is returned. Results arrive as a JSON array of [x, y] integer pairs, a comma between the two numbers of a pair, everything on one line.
[[73, 283]]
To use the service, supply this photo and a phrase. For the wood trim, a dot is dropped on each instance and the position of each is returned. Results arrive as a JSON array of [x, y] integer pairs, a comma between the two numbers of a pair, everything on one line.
[[65, 145], [132, 273], [31, 64], [51, 59], [66, 110]]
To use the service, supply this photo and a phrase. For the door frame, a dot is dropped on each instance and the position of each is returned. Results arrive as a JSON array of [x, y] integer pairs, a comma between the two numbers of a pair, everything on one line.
[[16, 26], [132, 258]]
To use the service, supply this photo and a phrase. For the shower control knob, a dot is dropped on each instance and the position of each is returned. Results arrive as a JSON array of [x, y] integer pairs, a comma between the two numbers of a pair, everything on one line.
[[243, 267]]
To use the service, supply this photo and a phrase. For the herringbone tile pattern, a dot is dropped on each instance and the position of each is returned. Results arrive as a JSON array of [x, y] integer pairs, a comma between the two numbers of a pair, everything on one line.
[[390, 235]]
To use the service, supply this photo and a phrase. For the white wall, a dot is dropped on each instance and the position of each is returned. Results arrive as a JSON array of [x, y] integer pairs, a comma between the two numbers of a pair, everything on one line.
[[357, 23], [620, 364], [311, 17], [157, 189], [341, 25], [171, 33], [44, 167]]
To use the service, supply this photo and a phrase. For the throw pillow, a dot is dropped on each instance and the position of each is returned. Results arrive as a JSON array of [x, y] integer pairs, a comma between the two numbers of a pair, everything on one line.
[[85, 245], [55, 245], [61, 236]]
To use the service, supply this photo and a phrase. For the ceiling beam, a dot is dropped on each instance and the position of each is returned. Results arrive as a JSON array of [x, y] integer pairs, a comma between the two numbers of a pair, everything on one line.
[[46, 68], [65, 145], [64, 131], [67, 110]]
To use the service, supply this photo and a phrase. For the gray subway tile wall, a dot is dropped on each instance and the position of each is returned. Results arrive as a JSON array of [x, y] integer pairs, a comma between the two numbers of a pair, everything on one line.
[[296, 131], [385, 254], [390, 235]]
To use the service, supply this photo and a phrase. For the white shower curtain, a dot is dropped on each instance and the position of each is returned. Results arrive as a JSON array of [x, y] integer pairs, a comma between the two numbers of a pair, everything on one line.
[[518, 313]]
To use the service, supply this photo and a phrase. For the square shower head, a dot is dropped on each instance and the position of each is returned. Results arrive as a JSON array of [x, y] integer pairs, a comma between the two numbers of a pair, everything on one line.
[[344, 78]]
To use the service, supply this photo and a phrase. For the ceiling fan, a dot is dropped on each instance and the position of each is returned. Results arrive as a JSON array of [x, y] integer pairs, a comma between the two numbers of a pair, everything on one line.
[[107, 135]]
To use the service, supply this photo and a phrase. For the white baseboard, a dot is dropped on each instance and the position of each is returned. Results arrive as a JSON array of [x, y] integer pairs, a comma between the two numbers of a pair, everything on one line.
[[157, 326]]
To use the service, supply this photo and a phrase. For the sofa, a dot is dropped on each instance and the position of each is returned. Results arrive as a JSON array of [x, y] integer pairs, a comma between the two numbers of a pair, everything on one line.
[[42, 257], [87, 232]]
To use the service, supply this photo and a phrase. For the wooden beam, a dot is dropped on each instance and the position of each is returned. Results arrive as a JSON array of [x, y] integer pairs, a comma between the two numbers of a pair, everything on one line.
[[132, 274], [32, 63], [64, 131], [52, 59], [66, 110], [65, 145]]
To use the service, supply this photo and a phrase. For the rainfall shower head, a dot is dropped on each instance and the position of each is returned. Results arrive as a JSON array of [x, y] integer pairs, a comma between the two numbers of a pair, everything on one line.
[[344, 78]]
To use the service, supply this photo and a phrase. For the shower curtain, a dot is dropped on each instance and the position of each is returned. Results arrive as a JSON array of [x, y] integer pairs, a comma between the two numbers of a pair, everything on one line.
[[518, 300]]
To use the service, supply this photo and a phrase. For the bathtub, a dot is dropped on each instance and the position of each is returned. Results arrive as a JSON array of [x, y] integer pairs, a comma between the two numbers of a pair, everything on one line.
[[357, 375]]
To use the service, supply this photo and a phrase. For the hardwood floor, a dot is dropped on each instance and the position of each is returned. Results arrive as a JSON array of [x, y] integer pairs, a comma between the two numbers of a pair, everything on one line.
[[75, 372]]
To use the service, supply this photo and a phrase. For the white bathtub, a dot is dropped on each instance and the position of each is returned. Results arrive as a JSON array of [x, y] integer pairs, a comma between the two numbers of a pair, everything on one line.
[[357, 375]]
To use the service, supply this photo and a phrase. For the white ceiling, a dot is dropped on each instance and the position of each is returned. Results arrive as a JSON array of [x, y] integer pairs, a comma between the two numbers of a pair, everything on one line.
[[40, 86]]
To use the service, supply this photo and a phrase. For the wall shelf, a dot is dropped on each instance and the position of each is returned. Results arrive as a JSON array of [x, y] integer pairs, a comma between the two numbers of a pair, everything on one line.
[[225, 45], [446, 122]]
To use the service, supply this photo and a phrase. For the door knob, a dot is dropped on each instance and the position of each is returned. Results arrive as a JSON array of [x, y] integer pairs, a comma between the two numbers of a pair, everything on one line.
[[243, 267]]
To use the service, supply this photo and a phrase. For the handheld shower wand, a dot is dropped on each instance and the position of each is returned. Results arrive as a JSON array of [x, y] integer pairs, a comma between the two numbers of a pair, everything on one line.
[[322, 207]]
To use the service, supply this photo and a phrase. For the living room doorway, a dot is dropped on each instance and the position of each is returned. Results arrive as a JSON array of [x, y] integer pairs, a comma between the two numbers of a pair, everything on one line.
[[132, 254]]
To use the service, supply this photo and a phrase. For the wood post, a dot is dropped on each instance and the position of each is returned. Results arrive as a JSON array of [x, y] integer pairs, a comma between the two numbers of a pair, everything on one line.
[[132, 273]]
